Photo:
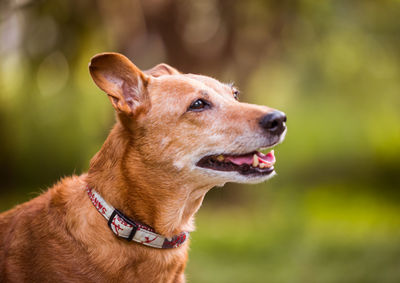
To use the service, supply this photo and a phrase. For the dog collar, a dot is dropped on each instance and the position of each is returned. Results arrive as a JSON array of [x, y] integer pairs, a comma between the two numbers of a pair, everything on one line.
[[131, 230]]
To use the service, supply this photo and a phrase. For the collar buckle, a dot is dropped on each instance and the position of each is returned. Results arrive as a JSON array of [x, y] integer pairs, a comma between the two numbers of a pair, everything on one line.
[[122, 226]]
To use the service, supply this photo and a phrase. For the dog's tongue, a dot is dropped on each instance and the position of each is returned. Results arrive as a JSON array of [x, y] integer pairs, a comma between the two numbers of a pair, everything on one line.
[[268, 158]]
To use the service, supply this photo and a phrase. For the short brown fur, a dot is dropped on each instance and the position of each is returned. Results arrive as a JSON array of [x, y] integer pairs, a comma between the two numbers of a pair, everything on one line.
[[145, 169]]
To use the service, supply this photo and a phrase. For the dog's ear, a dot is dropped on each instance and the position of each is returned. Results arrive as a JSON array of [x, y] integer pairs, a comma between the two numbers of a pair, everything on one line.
[[162, 70], [124, 83]]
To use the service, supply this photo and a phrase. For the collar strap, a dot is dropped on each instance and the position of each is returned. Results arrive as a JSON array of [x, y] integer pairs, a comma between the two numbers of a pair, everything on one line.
[[131, 230]]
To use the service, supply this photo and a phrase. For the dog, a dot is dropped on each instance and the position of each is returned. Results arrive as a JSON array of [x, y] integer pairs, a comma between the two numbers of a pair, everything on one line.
[[129, 217]]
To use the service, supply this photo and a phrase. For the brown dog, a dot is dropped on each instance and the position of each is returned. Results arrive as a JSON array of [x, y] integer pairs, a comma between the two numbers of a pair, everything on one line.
[[176, 137]]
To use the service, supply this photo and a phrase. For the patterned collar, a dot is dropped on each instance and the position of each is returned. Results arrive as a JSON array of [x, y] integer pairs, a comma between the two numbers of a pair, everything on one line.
[[131, 230]]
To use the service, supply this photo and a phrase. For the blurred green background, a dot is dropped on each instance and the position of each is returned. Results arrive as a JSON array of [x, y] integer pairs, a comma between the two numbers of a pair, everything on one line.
[[333, 212]]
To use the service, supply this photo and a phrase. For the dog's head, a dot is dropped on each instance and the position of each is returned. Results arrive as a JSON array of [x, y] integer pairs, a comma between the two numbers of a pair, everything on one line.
[[191, 125]]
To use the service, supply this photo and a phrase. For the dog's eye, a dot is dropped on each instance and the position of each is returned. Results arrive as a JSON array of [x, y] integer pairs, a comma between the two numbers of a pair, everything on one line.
[[199, 105], [236, 94]]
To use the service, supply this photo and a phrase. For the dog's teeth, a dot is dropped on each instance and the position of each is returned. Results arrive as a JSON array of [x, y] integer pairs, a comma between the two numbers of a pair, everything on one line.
[[220, 158], [262, 165], [255, 160]]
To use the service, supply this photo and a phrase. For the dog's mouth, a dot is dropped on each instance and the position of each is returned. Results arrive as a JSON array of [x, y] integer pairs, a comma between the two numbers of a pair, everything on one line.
[[254, 163]]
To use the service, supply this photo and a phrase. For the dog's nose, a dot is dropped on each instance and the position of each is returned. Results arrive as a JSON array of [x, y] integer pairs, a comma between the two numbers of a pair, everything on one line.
[[274, 122]]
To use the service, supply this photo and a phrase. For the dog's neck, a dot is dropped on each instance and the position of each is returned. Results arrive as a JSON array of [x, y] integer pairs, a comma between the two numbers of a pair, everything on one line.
[[153, 197]]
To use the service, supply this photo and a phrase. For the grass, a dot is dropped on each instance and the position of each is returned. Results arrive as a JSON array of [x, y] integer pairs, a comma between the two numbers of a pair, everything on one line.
[[325, 235]]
